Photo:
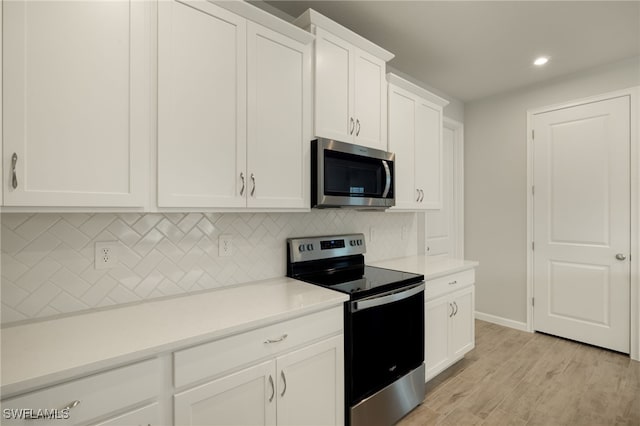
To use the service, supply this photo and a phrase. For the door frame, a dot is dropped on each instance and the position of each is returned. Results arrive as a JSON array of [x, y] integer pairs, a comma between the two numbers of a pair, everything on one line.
[[634, 94]]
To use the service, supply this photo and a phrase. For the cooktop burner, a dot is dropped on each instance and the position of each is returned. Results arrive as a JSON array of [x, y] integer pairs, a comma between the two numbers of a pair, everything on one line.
[[337, 262]]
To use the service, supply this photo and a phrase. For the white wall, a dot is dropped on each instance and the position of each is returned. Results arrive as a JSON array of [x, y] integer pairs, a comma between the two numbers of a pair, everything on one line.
[[496, 176]]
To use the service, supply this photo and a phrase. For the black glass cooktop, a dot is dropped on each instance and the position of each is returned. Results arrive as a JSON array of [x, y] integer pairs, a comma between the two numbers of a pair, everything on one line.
[[363, 281]]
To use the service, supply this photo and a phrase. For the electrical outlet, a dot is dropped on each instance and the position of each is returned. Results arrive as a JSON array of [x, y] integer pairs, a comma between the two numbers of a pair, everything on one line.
[[106, 255], [225, 245]]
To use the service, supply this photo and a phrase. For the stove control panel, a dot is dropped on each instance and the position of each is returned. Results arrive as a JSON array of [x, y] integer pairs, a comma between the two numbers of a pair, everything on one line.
[[314, 248]]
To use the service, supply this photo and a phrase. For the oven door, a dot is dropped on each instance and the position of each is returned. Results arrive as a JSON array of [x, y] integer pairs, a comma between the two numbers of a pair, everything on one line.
[[386, 340], [348, 175]]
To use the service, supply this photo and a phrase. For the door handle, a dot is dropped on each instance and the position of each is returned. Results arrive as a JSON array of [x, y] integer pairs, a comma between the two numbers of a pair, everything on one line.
[[387, 179], [418, 197], [284, 382], [456, 305], [14, 178], [242, 189], [421, 195], [357, 127], [352, 126], [253, 179], [621, 256], [273, 388], [451, 306]]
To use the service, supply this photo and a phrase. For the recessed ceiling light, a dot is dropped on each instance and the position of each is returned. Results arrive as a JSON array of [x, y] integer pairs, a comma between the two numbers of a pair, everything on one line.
[[541, 61]]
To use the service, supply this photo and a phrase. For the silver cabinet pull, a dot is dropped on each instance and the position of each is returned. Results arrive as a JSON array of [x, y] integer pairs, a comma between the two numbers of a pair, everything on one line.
[[619, 256], [418, 197], [242, 189], [253, 180], [387, 179], [421, 195], [273, 388], [280, 339], [284, 382], [357, 127], [453, 282], [351, 126], [14, 178], [456, 305], [451, 306], [69, 406]]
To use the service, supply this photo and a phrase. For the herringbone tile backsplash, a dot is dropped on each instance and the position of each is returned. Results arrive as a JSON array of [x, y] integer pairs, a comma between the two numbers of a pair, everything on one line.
[[48, 259]]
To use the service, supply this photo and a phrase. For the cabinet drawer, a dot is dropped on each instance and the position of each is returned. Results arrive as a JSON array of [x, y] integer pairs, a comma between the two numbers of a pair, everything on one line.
[[210, 359], [443, 285], [98, 395]]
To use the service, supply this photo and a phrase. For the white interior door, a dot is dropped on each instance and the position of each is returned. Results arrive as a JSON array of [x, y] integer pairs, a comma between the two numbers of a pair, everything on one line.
[[582, 223], [440, 223]]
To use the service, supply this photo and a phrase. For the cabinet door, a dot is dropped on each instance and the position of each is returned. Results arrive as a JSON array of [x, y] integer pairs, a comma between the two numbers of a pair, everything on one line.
[[278, 122], [201, 106], [370, 101], [401, 142], [429, 154], [462, 337], [76, 103], [311, 385], [145, 416], [334, 91], [436, 340], [247, 397]]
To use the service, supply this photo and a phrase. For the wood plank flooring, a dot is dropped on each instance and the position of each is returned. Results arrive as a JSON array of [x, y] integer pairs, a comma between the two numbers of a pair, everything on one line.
[[518, 378]]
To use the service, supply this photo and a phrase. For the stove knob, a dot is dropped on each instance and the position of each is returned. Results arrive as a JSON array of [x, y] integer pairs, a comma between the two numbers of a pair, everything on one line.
[[309, 247], [301, 248], [352, 243], [359, 242]]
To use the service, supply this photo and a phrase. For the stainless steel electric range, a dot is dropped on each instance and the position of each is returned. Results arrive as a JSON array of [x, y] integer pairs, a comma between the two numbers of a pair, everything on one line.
[[384, 325]]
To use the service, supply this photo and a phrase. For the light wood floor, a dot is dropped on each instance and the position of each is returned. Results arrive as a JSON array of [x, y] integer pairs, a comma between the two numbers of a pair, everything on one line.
[[518, 378]]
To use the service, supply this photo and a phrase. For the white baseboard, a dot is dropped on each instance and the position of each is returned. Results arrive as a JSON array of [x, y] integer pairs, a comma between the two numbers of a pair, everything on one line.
[[522, 326]]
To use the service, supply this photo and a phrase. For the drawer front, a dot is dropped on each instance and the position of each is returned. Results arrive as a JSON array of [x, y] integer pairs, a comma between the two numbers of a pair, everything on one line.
[[211, 359], [97, 396], [443, 285]]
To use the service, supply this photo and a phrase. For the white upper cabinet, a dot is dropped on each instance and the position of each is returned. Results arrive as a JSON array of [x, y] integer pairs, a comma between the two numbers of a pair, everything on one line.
[[415, 136], [350, 86], [202, 140], [234, 111], [76, 103]]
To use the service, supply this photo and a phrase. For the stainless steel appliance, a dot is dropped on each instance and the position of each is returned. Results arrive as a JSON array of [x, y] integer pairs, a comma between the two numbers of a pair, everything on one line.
[[384, 325], [348, 175]]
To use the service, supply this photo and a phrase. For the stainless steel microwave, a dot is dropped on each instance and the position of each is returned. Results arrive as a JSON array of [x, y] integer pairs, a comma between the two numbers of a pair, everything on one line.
[[351, 176]]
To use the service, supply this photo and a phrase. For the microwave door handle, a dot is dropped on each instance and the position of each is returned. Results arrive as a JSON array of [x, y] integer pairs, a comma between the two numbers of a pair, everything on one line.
[[387, 183]]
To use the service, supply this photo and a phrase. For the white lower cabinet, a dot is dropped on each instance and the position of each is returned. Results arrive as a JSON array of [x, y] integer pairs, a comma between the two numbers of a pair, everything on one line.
[[449, 321], [302, 387], [99, 399]]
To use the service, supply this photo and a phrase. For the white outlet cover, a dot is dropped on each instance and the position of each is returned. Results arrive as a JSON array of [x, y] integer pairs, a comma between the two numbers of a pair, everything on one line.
[[225, 245], [106, 255]]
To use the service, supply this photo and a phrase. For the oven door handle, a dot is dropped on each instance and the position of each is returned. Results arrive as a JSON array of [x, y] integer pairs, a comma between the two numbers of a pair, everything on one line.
[[385, 298], [387, 182]]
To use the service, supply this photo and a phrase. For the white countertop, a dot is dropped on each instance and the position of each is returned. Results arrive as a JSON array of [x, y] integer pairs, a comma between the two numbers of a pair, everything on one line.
[[48, 352], [430, 267]]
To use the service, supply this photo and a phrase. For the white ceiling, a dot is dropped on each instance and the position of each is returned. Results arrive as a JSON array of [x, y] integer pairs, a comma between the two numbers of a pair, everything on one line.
[[474, 49]]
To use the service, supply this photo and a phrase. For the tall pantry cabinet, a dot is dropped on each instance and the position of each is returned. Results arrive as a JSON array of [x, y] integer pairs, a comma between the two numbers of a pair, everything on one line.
[[76, 103]]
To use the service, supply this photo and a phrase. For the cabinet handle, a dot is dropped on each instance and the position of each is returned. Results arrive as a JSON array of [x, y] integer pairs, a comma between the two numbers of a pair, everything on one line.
[[453, 282], [284, 382], [273, 388], [242, 189], [418, 197], [280, 339], [69, 406], [357, 127], [451, 306], [14, 178], [456, 305], [253, 180], [421, 195], [351, 125]]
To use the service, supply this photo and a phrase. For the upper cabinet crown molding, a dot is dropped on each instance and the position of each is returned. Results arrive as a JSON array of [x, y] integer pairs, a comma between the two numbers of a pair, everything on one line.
[[311, 17], [398, 81], [259, 16]]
